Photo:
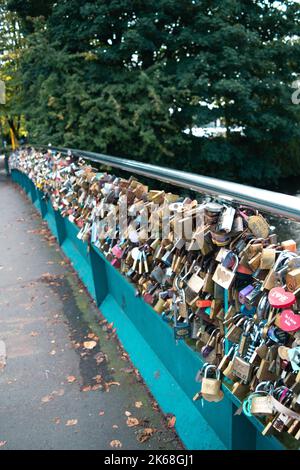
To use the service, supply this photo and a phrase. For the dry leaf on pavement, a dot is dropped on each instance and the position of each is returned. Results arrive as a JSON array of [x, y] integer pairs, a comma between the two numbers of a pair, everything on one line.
[[92, 336], [59, 392], [109, 384], [34, 333], [47, 398], [90, 344], [2, 443], [131, 422], [101, 413], [145, 434], [115, 443], [138, 404], [127, 413], [96, 387], [71, 379], [171, 422], [100, 357], [71, 422]]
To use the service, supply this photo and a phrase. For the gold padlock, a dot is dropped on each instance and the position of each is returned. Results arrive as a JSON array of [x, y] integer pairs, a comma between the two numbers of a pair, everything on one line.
[[211, 386]]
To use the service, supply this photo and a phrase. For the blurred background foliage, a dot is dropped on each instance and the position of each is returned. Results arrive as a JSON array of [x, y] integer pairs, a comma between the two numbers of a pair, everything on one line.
[[140, 78]]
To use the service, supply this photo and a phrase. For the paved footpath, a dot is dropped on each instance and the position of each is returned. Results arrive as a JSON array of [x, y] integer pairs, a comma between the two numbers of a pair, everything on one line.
[[55, 393]]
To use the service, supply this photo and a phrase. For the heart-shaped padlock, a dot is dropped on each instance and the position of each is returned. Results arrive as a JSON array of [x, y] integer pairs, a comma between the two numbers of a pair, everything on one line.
[[280, 298], [289, 321]]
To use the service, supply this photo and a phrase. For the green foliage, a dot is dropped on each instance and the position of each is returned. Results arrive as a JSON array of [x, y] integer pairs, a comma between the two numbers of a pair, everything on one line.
[[128, 77], [11, 46]]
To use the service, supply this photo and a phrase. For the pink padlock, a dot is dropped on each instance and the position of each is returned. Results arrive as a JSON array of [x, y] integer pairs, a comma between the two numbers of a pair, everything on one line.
[[289, 321], [280, 298], [116, 263], [117, 251]]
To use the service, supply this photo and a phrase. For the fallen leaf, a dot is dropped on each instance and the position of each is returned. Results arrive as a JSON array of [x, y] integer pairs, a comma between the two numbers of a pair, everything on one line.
[[115, 426], [2, 443], [115, 443], [96, 387], [155, 406], [59, 392], [145, 434], [86, 388], [138, 404], [101, 413], [71, 379], [131, 422], [171, 422], [98, 378], [127, 413], [71, 422], [92, 336], [52, 353], [127, 370], [100, 357], [90, 344], [56, 420], [47, 398], [113, 383]]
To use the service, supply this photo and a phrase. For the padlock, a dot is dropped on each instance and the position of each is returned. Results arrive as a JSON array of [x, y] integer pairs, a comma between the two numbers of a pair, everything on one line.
[[228, 372], [235, 331], [264, 373], [224, 277], [240, 390], [226, 218], [262, 405], [293, 280], [258, 226], [242, 369], [195, 283], [244, 292], [268, 257], [211, 386]]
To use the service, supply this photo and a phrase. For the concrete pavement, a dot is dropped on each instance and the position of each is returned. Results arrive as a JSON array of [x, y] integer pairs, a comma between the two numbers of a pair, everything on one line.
[[55, 393]]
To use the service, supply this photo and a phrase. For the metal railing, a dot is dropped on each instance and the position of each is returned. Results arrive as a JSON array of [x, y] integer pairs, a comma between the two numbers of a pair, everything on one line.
[[278, 204]]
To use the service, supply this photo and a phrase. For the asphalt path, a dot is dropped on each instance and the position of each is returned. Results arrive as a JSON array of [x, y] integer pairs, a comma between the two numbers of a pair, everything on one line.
[[67, 382]]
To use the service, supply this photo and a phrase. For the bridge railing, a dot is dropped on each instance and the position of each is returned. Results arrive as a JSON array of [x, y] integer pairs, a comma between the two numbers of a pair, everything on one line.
[[168, 369], [278, 204]]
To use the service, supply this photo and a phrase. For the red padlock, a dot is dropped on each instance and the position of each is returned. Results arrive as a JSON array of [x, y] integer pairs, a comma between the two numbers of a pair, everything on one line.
[[203, 303]]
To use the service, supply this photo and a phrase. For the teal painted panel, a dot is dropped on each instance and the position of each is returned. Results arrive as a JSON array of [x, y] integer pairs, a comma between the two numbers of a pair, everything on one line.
[[78, 252], [178, 359], [72, 231], [32, 193], [60, 227], [80, 265], [98, 265], [42, 203], [168, 369], [50, 218], [190, 425]]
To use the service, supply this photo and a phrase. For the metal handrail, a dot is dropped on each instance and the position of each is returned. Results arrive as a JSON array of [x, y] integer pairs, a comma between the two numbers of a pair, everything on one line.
[[278, 204]]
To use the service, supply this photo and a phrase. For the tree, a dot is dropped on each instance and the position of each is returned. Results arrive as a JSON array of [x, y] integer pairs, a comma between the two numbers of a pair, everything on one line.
[[134, 77], [11, 46]]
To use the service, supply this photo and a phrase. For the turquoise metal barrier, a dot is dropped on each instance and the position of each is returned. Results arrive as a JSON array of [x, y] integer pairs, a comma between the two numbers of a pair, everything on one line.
[[169, 369]]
